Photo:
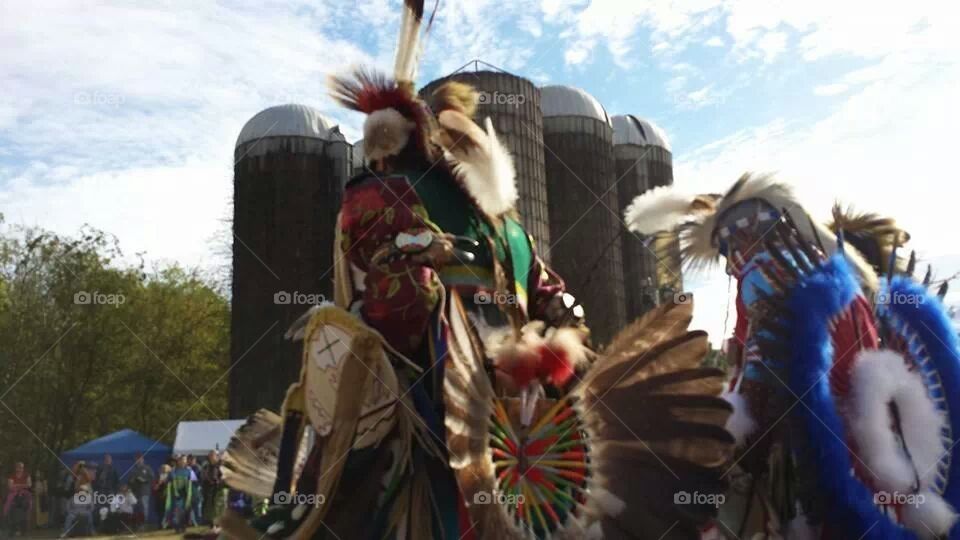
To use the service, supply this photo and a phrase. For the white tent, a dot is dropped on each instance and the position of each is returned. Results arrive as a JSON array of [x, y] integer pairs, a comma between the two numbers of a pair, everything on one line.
[[199, 438]]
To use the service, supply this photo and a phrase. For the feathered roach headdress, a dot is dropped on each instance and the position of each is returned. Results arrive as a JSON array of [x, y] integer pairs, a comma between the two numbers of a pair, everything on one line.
[[876, 237], [398, 122], [703, 222]]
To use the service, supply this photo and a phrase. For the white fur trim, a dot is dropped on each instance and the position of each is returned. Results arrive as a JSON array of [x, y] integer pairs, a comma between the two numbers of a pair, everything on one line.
[[488, 174], [879, 378], [932, 516], [740, 424], [659, 209], [385, 133]]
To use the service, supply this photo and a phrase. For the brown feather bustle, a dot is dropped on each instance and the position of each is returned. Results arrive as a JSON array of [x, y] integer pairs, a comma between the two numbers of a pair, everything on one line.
[[874, 236]]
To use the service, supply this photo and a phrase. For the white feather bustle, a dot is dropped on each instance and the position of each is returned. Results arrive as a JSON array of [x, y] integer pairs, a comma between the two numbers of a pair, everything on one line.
[[740, 424], [931, 517], [385, 133], [878, 379], [488, 174], [660, 209]]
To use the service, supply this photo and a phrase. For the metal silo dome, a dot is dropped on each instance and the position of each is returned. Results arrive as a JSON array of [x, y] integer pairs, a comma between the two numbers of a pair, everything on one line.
[[629, 129], [290, 120], [559, 100]]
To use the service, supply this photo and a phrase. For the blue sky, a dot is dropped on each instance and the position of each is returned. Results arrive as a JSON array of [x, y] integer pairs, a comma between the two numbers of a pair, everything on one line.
[[123, 115]]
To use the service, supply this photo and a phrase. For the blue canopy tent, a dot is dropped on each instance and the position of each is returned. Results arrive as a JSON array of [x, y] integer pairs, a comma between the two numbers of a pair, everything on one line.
[[123, 447]]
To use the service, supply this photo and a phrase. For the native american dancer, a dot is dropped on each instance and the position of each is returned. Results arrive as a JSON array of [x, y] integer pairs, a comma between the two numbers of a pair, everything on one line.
[[448, 392], [843, 383]]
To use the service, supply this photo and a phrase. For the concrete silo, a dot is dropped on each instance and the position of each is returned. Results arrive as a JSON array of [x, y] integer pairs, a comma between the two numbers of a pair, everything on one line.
[[513, 103], [584, 204], [290, 167], [644, 161]]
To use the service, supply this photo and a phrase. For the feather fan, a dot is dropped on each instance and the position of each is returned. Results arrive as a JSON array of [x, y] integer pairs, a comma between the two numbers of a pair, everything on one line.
[[635, 450]]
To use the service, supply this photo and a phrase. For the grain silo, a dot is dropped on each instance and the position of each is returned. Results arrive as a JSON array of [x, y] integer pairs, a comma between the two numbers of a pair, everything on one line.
[[584, 204], [290, 167], [644, 161], [359, 164], [513, 103]]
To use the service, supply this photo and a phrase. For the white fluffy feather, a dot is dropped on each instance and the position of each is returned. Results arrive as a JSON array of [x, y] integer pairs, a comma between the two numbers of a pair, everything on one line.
[[385, 133], [488, 174], [740, 424], [932, 516], [879, 378], [660, 209]]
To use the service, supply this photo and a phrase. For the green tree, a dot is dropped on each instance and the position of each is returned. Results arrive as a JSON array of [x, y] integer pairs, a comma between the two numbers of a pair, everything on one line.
[[90, 344]]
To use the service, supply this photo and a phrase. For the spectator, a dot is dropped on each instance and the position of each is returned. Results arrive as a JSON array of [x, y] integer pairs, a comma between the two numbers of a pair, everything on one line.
[[160, 490], [69, 483], [141, 484], [214, 493], [179, 496], [19, 502], [79, 512], [106, 481], [122, 516], [196, 476]]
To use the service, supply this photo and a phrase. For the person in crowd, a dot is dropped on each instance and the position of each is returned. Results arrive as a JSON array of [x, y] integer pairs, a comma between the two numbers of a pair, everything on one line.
[[141, 484], [79, 520], [106, 481], [196, 478], [19, 501], [160, 489], [122, 512], [214, 492], [64, 490], [179, 495]]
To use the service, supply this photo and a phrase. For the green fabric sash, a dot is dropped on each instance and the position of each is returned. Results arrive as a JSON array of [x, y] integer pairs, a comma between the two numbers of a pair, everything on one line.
[[452, 210]]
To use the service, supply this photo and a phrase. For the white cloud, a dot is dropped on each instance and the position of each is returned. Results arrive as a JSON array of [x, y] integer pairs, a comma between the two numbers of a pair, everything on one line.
[[771, 45], [830, 89], [172, 213], [715, 41]]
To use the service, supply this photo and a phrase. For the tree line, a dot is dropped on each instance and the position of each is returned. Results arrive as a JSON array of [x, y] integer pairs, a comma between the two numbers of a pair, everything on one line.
[[91, 343]]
